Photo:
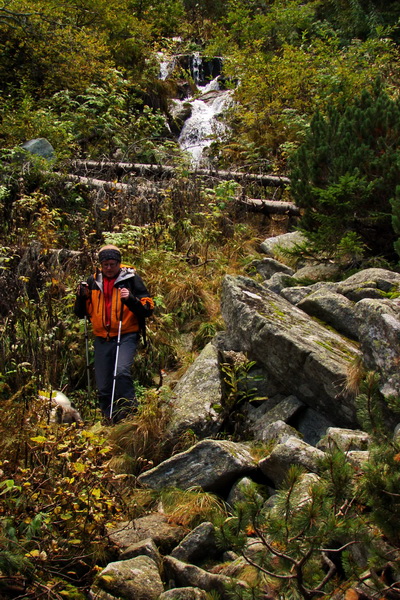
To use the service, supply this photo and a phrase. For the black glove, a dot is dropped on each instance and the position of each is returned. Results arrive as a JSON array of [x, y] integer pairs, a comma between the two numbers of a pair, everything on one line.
[[83, 289]]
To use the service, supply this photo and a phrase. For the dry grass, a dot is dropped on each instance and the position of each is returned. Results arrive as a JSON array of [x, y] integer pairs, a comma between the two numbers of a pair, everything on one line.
[[191, 507], [141, 442], [355, 375]]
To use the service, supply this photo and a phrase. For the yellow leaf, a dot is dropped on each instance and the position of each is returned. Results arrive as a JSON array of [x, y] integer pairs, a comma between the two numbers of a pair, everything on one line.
[[79, 467], [39, 439], [66, 517], [96, 492]]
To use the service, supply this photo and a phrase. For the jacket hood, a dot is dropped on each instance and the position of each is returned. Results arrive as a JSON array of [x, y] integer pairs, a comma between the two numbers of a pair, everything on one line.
[[124, 274]]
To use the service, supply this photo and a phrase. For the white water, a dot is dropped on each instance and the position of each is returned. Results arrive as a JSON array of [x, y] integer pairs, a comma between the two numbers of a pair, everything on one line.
[[167, 65], [203, 126]]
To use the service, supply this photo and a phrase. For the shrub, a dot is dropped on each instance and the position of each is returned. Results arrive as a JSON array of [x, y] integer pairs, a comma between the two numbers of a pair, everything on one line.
[[58, 494], [345, 174]]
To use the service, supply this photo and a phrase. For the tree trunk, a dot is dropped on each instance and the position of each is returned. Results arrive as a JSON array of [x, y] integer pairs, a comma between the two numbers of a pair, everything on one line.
[[266, 207], [121, 168]]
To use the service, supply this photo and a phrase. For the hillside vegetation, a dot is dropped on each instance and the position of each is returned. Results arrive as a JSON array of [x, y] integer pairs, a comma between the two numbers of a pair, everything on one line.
[[315, 85]]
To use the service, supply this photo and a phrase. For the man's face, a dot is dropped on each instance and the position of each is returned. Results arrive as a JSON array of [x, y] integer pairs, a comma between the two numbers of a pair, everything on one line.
[[110, 268]]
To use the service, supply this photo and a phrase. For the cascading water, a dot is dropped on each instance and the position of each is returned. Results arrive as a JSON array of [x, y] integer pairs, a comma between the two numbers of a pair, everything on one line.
[[197, 68], [203, 126], [167, 65]]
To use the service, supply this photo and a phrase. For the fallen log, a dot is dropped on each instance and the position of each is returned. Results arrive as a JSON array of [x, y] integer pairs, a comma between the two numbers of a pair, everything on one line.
[[121, 168], [109, 186], [268, 207]]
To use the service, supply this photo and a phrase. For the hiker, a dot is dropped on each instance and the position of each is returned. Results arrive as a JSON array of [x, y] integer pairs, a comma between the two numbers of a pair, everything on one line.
[[116, 302]]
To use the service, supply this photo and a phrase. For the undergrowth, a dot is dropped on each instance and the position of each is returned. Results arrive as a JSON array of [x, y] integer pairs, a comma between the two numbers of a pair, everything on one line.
[[63, 486]]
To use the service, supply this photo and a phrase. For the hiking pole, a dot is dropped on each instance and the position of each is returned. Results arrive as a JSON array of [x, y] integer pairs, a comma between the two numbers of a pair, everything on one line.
[[83, 289], [87, 356], [116, 361]]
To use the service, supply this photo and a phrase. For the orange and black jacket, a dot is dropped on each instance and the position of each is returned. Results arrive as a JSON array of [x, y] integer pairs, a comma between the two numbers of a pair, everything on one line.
[[132, 311]]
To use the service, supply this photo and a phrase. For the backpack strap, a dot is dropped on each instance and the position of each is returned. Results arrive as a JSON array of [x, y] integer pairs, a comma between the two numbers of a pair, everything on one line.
[[142, 331]]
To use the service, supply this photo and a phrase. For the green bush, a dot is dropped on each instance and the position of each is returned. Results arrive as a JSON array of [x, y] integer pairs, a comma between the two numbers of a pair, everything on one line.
[[345, 174]]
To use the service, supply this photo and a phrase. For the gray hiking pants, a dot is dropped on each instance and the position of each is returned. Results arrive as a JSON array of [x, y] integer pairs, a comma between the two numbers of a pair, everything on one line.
[[104, 365]]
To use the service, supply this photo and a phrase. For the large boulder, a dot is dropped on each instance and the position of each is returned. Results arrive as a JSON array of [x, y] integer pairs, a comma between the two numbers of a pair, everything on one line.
[[129, 580], [273, 246], [334, 309], [154, 527], [302, 356], [369, 283], [279, 281], [186, 575], [39, 146], [295, 294], [211, 464], [195, 395], [379, 334], [277, 431], [200, 543], [145, 547], [284, 411], [292, 451], [318, 272], [344, 440], [268, 267]]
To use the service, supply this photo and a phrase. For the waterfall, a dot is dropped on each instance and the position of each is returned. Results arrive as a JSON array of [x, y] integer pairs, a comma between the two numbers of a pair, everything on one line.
[[203, 125], [209, 103], [197, 68], [167, 65]]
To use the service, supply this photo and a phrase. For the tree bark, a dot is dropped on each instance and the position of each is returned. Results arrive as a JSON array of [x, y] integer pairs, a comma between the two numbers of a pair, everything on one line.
[[266, 207], [121, 168]]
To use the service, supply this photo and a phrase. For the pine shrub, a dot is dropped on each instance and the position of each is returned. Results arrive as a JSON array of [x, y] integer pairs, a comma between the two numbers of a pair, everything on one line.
[[345, 174]]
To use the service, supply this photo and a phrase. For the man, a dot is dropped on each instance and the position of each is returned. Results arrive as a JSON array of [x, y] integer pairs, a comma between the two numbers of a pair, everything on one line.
[[114, 297]]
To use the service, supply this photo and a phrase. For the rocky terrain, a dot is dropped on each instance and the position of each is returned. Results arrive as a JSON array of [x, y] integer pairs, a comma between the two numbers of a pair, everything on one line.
[[300, 333]]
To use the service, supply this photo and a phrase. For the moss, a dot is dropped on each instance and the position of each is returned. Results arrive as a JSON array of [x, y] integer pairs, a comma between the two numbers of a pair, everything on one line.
[[392, 294], [336, 347]]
